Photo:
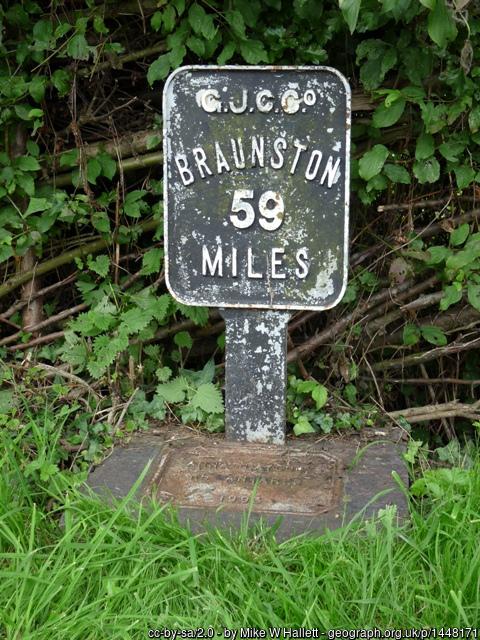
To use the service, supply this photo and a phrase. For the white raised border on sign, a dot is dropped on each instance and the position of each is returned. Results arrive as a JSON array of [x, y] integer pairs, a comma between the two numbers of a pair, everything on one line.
[[348, 123]]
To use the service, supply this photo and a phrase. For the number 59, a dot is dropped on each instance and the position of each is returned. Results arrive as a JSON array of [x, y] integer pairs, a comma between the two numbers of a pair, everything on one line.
[[270, 218]]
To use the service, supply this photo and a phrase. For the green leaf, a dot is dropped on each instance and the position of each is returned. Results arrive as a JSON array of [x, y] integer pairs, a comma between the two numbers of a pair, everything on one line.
[[473, 291], [173, 391], [396, 173], [101, 265], [235, 20], [462, 258], [6, 252], [372, 162], [94, 169], [132, 321], [437, 254], [36, 87], [441, 26], [199, 315], [163, 374], [434, 335], [451, 150], [427, 170], [183, 339], [159, 69], [27, 163], [226, 53], [320, 395], [78, 47], [37, 204], [451, 295], [99, 25], [474, 119], [350, 10], [27, 183], [430, 4], [302, 426], [459, 235], [464, 175], [156, 21], [201, 21], [61, 80], [152, 261], [253, 51], [108, 165], [387, 116], [101, 221], [411, 334], [197, 45], [425, 146], [208, 398]]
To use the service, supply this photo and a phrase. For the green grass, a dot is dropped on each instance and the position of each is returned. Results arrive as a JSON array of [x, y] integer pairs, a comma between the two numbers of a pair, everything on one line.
[[106, 573]]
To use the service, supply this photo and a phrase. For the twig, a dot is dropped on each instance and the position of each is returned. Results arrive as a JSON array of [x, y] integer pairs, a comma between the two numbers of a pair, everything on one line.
[[429, 412], [66, 313], [65, 258], [55, 371], [427, 356], [376, 304]]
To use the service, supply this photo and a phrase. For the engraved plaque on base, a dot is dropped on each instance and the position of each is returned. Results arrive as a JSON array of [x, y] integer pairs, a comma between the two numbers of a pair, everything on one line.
[[278, 481]]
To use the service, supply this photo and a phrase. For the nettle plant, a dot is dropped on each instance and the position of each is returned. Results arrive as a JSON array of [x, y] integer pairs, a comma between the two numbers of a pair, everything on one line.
[[73, 202]]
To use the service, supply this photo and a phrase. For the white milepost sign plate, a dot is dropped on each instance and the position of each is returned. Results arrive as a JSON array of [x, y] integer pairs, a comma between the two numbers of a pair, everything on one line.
[[256, 186]]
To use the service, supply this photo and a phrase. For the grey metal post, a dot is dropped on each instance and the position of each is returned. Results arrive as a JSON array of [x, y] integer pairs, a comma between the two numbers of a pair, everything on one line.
[[255, 375]]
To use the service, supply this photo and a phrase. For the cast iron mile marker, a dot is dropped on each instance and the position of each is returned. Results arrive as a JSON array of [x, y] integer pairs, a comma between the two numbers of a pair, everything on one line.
[[256, 215]]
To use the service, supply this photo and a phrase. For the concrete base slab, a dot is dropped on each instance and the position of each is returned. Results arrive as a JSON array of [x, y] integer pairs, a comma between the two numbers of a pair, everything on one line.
[[307, 485]]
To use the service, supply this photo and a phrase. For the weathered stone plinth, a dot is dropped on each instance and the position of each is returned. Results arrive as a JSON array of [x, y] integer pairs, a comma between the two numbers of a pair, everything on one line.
[[310, 483]]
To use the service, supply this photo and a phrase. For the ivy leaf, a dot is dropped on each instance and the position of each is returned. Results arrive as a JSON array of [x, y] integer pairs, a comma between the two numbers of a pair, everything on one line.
[[183, 339], [302, 426], [459, 235], [350, 10], [434, 335], [387, 116], [208, 398], [173, 390], [253, 51], [427, 170], [159, 69], [473, 291], [396, 173], [78, 47], [372, 162], [441, 26], [411, 334], [425, 146], [451, 295], [464, 175], [61, 80]]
